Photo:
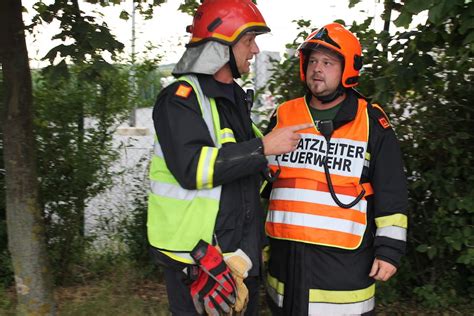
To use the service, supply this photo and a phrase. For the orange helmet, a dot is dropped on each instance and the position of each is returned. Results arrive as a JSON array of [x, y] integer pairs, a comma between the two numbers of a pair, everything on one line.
[[337, 38], [225, 21]]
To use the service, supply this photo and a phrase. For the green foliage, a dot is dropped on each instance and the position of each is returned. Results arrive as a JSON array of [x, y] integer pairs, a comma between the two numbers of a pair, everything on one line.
[[74, 121], [132, 230], [189, 6], [284, 83], [7, 304], [78, 105], [145, 79], [90, 39], [431, 109]]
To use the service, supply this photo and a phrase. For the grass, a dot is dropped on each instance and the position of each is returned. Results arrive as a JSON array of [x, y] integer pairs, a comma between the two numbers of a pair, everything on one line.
[[121, 291], [124, 291]]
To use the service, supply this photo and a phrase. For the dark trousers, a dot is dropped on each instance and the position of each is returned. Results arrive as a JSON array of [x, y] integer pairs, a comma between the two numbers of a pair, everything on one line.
[[181, 303]]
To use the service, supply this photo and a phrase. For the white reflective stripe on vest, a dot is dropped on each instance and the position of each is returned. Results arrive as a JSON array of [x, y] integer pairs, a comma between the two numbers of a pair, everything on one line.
[[393, 232], [316, 221], [341, 309], [227, 135], [177, 192], [157, 149], [317, 197], [205, 107]]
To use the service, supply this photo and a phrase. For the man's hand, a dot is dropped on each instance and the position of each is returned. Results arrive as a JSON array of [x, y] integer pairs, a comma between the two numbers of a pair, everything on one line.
[[283, 140], [382, 270]]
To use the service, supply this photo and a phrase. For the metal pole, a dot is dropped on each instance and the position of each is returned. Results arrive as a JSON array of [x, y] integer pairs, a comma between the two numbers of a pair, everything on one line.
[[133, 119]]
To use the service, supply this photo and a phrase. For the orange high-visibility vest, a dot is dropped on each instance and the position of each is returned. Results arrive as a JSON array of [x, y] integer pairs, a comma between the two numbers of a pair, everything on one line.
[[301, 207]]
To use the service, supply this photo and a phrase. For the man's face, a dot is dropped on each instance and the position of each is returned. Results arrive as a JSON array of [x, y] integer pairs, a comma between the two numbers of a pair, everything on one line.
[[244, 50], [324, 72]]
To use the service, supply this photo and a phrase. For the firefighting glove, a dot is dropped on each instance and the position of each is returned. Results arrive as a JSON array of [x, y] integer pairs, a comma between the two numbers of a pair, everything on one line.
[[239, 264], [214, 290]]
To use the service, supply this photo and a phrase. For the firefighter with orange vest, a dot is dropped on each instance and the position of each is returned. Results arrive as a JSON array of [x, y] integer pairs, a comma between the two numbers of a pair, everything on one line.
[[337, 212], [205, 221]]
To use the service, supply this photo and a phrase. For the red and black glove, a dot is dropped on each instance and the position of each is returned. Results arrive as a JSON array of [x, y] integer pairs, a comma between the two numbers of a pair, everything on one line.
[[214, 290]]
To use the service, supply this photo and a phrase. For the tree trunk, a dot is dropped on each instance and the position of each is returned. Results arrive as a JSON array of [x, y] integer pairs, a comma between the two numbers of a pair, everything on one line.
[[25, 226], [387, 15]]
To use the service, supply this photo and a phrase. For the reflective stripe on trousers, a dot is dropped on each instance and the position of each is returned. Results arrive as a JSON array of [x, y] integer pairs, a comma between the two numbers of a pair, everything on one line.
[[325, 302]]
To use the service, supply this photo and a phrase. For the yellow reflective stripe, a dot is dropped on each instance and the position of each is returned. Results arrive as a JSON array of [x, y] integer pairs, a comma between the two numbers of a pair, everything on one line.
[[227, 130], [278, 286], [398, 219], [367, 155], [211, 167], [234, 35], [257, 131], [205, 169], [227, 136], [227, 140], [326, 296], [215, 119], [264, 185], [184, 257], [275, 290]]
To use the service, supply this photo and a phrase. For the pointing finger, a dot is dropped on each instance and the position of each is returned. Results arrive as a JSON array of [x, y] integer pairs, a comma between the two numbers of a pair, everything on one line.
[[299, 127], [295, 137]]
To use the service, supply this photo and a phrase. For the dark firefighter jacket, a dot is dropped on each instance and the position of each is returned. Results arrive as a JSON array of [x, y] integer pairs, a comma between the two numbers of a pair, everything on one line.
[[300, 268], [182, 133]]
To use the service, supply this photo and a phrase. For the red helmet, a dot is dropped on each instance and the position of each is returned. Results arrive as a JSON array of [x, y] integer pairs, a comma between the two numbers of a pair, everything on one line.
[[225, 21], [337, 38]]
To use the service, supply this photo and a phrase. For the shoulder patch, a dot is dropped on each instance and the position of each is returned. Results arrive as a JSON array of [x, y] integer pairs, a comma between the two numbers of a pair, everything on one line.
[[382, 117], [383, 121], [183, 91]]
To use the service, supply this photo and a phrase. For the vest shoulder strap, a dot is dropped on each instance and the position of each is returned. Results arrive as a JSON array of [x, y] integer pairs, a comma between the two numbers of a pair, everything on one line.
[[208, 108], [378, 114]]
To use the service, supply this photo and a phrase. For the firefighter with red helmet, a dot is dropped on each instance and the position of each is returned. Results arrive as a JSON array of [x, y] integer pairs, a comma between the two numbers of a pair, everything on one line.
[[205, 223], [337, 212]]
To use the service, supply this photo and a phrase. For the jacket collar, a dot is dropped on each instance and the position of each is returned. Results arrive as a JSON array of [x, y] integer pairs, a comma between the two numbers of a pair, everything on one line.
[[348, 109], [214, 89]]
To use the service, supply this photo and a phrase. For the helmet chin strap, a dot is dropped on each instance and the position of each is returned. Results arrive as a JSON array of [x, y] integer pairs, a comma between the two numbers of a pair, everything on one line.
[[332, 96], [233, 64]]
